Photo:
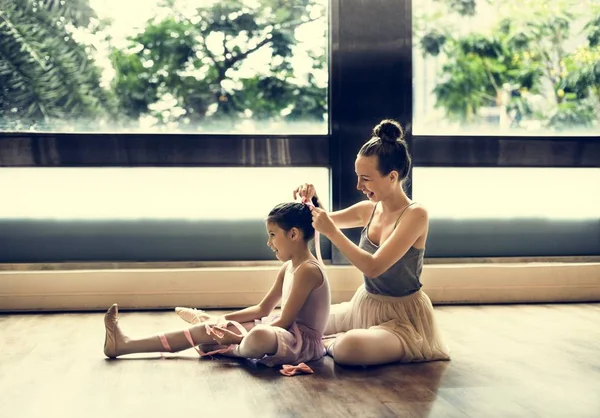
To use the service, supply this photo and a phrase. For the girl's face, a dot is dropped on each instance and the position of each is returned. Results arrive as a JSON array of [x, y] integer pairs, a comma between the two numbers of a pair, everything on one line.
[[280, 241], [370, 181]]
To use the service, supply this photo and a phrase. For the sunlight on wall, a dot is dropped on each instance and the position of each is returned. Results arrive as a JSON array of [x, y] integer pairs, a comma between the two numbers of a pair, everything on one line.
[[250, 193], [563, 193], [152, 193]]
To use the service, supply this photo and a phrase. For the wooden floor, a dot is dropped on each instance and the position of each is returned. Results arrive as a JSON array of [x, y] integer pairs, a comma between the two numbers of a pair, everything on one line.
[[508, 361]]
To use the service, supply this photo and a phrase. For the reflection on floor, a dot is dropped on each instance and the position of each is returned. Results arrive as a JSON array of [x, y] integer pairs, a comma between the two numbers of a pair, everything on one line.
[[508, 361]]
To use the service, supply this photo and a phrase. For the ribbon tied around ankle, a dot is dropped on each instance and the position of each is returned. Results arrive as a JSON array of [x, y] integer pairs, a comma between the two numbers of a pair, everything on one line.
[[214, 330]]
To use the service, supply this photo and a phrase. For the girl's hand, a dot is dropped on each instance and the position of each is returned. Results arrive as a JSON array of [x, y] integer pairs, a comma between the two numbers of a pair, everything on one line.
[[322, 222], [225, 337]]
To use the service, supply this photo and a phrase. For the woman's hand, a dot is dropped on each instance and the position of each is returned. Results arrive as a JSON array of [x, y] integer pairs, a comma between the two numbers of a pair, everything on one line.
[[322, 222], [305, 191], [225, 337]]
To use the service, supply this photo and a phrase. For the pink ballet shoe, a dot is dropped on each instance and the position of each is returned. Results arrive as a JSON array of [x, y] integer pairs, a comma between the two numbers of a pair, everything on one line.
[[189, 315], [111, 318]]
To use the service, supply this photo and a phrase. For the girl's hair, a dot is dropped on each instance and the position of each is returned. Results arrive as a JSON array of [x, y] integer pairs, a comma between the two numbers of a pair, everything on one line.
[[388, 144], [294, 215]]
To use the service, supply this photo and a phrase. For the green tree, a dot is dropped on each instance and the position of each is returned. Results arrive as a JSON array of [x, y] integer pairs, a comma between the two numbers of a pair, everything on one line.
[[475, 75], [188, 68], [581, 85], [525, 55], [46, 76]]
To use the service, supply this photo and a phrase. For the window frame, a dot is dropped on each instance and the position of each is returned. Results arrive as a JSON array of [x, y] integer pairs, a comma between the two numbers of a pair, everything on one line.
[[370, 78], [355, 52]]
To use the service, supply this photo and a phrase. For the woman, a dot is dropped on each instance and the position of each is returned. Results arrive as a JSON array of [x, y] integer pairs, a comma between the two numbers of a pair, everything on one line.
[[389, 318]]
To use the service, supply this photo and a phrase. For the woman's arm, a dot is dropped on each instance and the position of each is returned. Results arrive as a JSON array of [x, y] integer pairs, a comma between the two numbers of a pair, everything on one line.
[[412, 226], [307, 278], [265, 307], [354, 216]]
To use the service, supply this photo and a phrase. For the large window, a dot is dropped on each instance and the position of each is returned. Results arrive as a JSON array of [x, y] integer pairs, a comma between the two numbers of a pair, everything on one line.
[[209, 66], [496, 95], [506, 67]]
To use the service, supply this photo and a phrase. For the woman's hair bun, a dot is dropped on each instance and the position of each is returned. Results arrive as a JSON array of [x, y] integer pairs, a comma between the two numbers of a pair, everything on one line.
[[389, 131]]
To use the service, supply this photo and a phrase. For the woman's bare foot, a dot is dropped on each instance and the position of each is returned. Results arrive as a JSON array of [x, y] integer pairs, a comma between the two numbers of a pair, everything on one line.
[[194, 316], [114, 338]]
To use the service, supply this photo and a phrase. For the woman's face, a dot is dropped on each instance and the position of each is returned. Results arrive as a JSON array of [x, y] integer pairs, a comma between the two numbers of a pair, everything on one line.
[[370, 181]]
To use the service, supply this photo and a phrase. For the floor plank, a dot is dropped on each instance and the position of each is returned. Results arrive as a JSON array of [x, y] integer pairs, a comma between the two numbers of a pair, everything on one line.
[[507, 361]]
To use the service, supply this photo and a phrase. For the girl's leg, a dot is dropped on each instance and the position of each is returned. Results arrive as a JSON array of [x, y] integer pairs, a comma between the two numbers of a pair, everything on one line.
[[260, 341], [366, 347], [118, 344]]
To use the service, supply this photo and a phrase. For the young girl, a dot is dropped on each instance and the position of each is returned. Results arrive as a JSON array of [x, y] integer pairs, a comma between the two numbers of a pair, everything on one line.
[[290, 338]]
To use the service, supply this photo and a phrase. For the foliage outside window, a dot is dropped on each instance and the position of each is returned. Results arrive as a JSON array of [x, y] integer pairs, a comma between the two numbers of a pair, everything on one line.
[[164, 66], [523, 67]]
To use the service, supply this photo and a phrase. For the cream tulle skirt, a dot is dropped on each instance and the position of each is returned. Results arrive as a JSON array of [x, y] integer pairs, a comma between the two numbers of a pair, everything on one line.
[[410, 318]]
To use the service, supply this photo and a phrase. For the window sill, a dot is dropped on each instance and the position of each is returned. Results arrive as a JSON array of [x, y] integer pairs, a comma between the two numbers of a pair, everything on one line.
[[230, 287]]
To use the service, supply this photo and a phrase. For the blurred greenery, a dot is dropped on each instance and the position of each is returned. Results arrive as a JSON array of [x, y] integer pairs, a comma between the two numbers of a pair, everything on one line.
[[192, 70], [177, 58], [539, 62], [185, 70], [46, 76]]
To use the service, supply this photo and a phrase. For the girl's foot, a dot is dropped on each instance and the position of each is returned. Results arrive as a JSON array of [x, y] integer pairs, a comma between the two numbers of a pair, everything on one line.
[[193, 316], [114, 337]]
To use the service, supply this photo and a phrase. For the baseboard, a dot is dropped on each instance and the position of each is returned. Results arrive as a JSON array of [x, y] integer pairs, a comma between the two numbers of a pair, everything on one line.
[[230, 287]]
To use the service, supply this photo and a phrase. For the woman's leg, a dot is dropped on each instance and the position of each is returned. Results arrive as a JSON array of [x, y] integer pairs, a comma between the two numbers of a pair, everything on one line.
[[118, 344], [337, 321], [411, 336], [366, 347]]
